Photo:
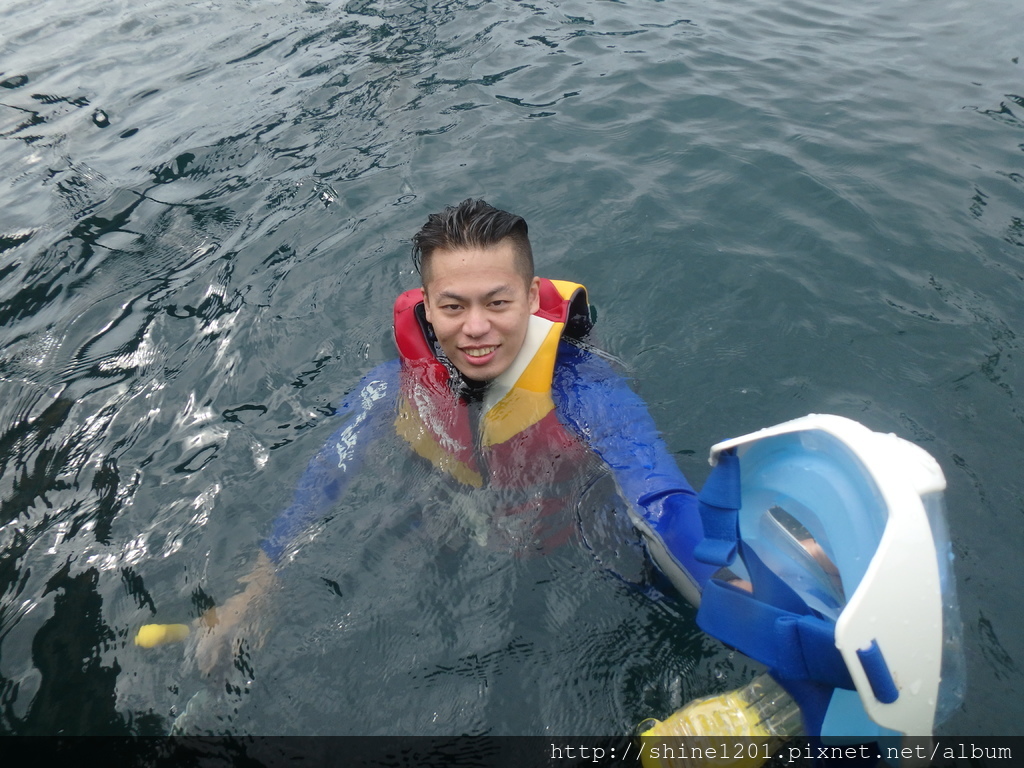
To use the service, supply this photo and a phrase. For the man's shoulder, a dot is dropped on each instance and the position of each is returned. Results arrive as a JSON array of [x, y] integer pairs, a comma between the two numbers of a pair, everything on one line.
[[383, 371], [578, 362], [377, 384], [573, 352]]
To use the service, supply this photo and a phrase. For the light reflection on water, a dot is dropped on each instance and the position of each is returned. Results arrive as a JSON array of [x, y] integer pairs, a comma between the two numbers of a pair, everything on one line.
[[205, 220]]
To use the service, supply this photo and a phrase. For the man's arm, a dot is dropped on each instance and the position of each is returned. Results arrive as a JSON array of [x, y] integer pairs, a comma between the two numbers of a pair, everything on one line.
[[367, 411], [597, 403]]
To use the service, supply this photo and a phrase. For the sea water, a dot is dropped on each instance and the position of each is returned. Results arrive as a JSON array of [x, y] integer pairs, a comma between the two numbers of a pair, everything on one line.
[[206, 212]]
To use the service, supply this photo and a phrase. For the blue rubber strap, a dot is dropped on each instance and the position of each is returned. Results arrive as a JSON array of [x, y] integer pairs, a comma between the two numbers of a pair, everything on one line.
[[794, 647], [774, 626], [768, 586], [882, 684], [813, 700], [798, 627], [719, 511]]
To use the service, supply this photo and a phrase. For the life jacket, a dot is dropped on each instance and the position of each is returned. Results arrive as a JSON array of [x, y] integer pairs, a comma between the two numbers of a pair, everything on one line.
[[519, 441]]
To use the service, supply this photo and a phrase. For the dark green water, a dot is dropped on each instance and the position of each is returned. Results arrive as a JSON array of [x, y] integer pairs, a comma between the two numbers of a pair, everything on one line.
[[778, 209]]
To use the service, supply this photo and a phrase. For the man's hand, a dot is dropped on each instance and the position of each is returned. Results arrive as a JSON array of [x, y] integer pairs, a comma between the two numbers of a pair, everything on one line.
[[218, 627]]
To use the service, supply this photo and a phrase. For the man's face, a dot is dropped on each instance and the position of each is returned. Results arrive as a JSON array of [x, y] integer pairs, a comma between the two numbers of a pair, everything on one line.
[[480, 306]]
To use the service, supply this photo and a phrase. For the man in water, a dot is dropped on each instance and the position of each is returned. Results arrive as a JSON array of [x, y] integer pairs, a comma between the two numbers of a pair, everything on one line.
[[494, 388]]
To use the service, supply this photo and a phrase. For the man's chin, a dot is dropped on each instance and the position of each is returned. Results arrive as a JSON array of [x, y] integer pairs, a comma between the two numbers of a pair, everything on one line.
[[480, 374]]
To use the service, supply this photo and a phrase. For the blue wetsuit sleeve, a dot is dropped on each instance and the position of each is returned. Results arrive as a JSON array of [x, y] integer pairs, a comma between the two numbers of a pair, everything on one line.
[[367, 411], [596, 402]]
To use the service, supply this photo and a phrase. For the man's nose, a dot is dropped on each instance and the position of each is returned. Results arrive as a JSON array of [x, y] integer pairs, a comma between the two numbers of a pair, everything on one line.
[[477, 323]]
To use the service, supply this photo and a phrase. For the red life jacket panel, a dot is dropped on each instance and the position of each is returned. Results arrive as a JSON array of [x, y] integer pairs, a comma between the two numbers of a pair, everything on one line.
[[519, 441]]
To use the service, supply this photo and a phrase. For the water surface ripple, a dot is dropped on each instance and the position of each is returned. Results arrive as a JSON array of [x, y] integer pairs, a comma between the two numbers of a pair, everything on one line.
[[778, 209]]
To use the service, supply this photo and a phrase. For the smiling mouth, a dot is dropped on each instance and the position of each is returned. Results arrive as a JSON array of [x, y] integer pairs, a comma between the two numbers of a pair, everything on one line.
[[480, 352]]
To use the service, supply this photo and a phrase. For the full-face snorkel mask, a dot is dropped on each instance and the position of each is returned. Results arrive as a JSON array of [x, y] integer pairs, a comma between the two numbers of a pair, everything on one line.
[[836, 574]]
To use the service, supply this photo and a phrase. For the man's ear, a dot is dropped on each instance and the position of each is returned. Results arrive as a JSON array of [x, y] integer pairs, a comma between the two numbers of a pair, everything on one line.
[[534, 295], [426, 306]]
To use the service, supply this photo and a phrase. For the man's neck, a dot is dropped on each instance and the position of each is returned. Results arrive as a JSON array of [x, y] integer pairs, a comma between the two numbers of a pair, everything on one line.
[[472, 390]]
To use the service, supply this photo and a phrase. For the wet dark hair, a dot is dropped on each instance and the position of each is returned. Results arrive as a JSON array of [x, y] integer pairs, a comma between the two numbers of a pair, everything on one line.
[[472, 224]]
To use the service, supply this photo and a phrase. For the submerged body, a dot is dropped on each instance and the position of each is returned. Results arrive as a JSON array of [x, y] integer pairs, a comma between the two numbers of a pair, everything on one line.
[[494, 388], [528, 435]]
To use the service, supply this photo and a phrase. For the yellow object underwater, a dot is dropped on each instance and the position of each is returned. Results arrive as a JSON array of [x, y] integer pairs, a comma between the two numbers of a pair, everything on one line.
[[152, 635], [738, 729]]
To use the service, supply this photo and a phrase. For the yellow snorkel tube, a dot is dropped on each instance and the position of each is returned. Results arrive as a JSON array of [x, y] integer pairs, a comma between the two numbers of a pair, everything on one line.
[[152, 635]]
